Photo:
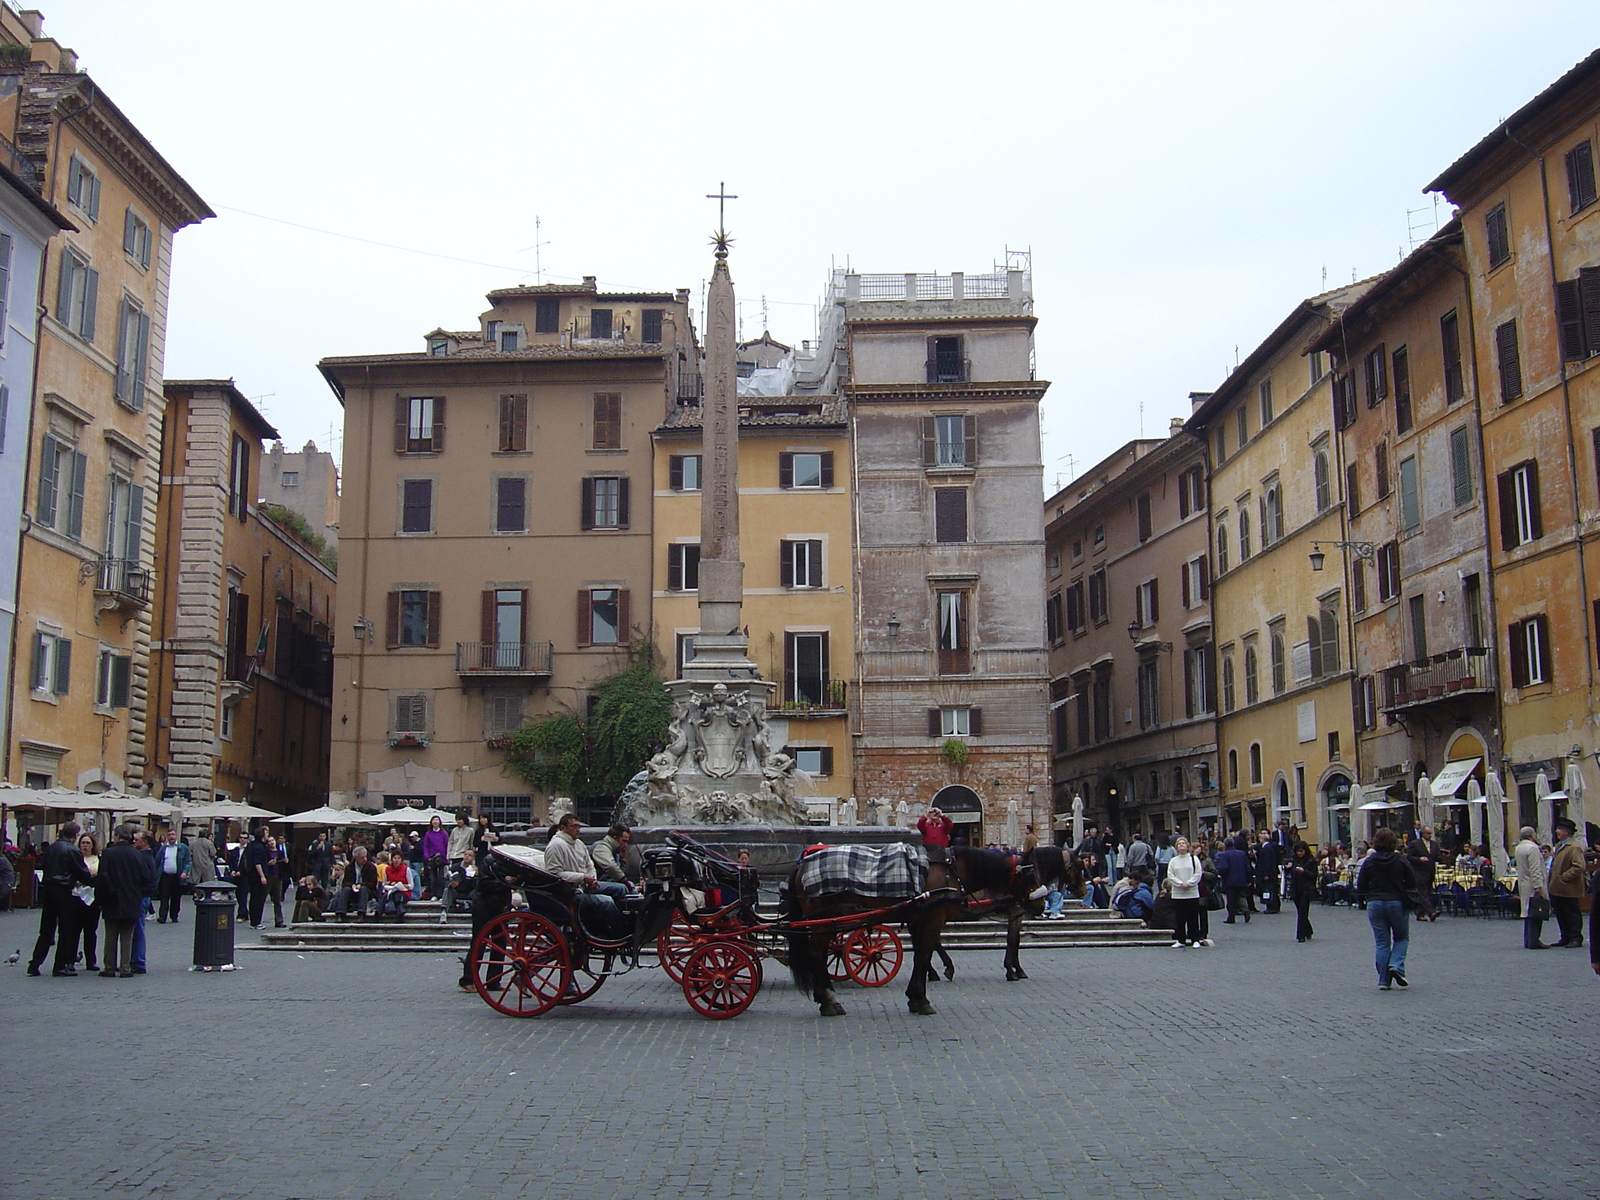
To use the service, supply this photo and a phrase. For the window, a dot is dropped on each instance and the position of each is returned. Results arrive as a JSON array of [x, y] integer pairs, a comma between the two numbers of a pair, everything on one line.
[[1149, 682], [83, 188], [408, 712], [1530, 652], [1388, 571], [683, 472], [801, 563], [1277, 648], [513, 437], [1322, 478], [1402, 390], [1521, 521], [506, 810], [805, 668], [63, 472], [946, 363], [1222, 544], [1344, 400], [225, 722], [1075, 609], [419, 424], [52, 664], [949, 440], [5, 283], [416, 506], [1472, 610], [1199, 683], [290, 479], [1099, 598], [1366, 704], [650, 326], [1352, 489], [1097, 537], [1322, 636], [1319, 365], [1252, 677], [1461, 466], [1241, 426], [1578, 314], [1418, 606], [1147, 603], [413, 619], [1264, 392], [1450, 348], [77, 294], [813, 760], [806, 470], [1195, 582], [607, 421], [504, 628], [124, 525], [511, 504], [1244, 528], [954, 721], [605, 502], [113, 678], [1497, 234], [1233, 768], [1410, 500], [509, 341], [1101, 701], [236, 635], [683, 567], [1580, 176], [1191, 492], [438, 347], [1255, 762], [950, 514], [1222, 442], [1510, 361], [955, 656], [547, 315], [503, 713], [1271, 511], [1375, 368], [600, 323], [239, 478], [1229, 695], [1052, 618], [1358, 586], [603, 617], [1380, 469]]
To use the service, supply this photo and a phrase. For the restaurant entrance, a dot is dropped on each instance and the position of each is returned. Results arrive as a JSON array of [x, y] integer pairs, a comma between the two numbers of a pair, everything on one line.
[[961, 805]]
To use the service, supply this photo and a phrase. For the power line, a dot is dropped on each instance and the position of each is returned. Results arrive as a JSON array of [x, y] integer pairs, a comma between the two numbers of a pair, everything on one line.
[[350, 237]]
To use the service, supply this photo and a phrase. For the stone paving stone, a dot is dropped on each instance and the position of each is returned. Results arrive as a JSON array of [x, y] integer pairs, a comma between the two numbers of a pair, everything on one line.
[[1248, 1070]]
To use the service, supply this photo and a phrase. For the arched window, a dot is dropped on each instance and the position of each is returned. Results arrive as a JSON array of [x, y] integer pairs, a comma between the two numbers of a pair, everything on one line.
[[1229, 698], [1244, 534], [1252, 686], [1233, 768], [1222, 548], [1255, 762], [1323, 480]]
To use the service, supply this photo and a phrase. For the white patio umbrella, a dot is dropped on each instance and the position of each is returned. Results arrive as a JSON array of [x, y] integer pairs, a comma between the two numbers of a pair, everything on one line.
[[136, 806], [1496, 796], [1475, 806], [1013, 828], [1544, 817], [1573, 785], [1077, 820], [224, 810], [1424, 801], [317, 816]]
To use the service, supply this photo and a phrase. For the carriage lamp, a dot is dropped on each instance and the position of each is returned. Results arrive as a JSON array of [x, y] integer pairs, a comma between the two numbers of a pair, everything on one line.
[[364, 629]]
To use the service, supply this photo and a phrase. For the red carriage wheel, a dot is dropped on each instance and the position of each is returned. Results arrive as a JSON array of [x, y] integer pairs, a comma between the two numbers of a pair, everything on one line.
[[519, 964], [838, 971], [674, 946], [583, 986], [720, 979], [873, 955]]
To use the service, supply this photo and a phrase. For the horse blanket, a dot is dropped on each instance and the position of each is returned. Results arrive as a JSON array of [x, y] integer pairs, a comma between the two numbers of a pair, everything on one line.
[[897, 871]]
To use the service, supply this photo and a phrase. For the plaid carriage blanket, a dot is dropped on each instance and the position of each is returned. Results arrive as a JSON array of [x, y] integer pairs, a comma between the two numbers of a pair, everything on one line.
[[894, 872]]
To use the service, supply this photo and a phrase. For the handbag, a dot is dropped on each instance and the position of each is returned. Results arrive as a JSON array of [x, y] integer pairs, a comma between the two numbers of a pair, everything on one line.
[[1214, 901], [1539, 908]]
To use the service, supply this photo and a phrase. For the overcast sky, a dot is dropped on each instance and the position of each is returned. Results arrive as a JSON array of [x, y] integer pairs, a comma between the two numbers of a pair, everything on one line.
[[1183, 173]]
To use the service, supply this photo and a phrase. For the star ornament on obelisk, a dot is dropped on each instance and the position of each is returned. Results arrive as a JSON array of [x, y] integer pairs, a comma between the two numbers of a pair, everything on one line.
[[721, 648]]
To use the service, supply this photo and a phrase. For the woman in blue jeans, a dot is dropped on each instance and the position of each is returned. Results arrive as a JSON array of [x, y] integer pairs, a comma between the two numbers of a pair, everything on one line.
[[1383, 882]]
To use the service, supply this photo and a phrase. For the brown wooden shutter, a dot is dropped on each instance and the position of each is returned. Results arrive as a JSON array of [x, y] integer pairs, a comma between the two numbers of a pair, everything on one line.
[[1519, 654], [522, 622], [505, 423], [1183, 579], [786, 564], [402, 415], [1508, 511], [1589, 300], [675, 568], [1330, 641], [827, 468], [786, 471], [1358, 585], [1597, 627], [438, 424], [827, 760], [1205, 578], [1188, 685], [490, 633], [434, 618], [934, 728], [950, 514], [585, 619], [391, 625], [622, 503], [930, 444], [586, 502], [675, 472], [824, 664], [1352, 488], [975, 722], [1569, 318], [1314, 637], [1535, 512], [970, 435], [624, 620], [1505, 338]]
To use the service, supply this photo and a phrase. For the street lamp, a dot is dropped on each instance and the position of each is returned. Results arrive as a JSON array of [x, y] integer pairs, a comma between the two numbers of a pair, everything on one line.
[[365, 629], [1365, 551]]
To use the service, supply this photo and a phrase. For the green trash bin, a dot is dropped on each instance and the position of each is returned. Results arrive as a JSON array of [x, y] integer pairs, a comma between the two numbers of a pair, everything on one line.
[[213, 924]]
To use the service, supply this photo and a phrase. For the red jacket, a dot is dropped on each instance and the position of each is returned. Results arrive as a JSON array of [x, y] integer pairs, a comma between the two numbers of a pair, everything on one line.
[[935, 833]]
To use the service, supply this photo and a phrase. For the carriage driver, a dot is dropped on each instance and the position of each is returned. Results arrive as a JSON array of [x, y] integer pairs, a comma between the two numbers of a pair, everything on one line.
[[569, 858]]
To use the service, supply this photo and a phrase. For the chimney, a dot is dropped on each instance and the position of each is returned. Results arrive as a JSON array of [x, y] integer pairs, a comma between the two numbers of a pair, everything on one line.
[[588, 282], [1175, 427], [1196, 399], [33, 21]]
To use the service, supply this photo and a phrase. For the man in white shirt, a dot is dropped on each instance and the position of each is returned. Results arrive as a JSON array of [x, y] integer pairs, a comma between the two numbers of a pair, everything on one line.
[[175, 863], [569, 858]]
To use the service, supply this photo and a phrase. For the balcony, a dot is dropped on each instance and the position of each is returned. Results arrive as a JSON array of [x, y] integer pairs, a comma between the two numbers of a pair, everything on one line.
[[121, 584], [814, 698], [503, 659], [1437, 678]]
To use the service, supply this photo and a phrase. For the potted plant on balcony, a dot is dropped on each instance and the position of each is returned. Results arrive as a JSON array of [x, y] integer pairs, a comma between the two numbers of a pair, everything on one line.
[[408, 741]]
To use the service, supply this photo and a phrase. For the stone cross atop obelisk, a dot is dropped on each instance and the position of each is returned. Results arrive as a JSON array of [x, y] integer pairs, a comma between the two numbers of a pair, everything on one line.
[[721, 648]]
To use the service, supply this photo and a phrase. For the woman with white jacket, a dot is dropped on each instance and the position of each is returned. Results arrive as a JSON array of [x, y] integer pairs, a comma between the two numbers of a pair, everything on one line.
[[1183, 875]]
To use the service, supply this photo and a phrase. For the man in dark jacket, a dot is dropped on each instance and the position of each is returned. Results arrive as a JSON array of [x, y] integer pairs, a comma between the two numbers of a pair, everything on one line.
[[1423, 852], [127, 876], [1269, 872], [1233, 868], [64, 870]]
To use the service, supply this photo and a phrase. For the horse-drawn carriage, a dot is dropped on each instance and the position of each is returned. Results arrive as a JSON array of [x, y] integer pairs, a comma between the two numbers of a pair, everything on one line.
[[563, 944]]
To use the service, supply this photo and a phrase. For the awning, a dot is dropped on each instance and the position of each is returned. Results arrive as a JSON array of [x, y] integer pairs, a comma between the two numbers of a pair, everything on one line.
[[1452, 775], [968, 818]]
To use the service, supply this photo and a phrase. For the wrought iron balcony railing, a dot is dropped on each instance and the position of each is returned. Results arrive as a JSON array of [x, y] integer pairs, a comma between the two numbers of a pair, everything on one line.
[[504, 658]]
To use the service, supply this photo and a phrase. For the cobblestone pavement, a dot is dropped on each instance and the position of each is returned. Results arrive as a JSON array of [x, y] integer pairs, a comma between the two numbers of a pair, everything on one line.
[[1260, 1068]]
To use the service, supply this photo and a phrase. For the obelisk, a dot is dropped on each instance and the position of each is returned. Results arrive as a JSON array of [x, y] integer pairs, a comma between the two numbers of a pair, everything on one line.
[[721, 647]]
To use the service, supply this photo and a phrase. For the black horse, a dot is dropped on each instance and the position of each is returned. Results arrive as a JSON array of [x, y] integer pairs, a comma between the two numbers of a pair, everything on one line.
[[978, 878]]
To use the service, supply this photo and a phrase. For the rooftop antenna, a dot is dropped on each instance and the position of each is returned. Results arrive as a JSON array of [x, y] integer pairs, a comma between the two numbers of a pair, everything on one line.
[[765, 323], [1141, 418], [1417, 228], [1324, 276], [538, 259], [257, 401]]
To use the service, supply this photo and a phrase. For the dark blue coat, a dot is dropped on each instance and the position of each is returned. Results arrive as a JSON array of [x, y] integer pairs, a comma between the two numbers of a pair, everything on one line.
[[1233, 865]]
